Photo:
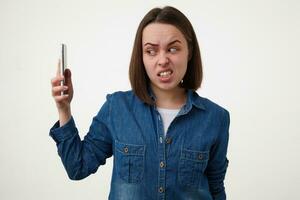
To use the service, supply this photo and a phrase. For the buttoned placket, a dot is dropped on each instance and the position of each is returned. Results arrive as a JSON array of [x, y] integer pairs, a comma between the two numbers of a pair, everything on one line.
[[162, 151], [162, 148], [162, 157]]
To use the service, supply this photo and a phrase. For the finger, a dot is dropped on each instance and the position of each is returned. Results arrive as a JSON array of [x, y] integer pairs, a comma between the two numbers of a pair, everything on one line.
[[58, 68], [68, 78], [67, 73], [56, 80], [58, 89], [61, 98]]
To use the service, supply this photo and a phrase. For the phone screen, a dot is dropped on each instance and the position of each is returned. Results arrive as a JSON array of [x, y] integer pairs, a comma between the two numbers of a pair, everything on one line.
[[63, 58], [63, 63]]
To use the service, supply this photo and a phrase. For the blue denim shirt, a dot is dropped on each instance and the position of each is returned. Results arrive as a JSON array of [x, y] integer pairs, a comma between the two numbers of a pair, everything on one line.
[[189, 163]]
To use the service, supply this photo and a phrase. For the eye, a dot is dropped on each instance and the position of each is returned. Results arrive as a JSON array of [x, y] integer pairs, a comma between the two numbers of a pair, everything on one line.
[[173, 50], [151, 52]]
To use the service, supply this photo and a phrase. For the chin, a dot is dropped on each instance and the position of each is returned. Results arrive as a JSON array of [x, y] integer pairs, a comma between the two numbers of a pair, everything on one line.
[[166, 87]]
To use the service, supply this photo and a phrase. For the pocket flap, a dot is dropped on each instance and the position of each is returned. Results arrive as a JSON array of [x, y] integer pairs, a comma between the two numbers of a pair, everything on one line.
[[198, 156], [130, 149]]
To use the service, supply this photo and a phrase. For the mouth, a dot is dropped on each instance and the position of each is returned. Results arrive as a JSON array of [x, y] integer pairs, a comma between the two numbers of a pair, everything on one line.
[[165, 74]]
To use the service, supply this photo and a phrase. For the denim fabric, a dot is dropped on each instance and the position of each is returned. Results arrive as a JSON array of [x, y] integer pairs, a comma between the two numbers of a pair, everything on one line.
[[188, 164]]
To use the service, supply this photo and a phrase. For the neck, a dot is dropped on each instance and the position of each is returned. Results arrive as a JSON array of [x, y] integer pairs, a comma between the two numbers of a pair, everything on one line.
[[171, 99]]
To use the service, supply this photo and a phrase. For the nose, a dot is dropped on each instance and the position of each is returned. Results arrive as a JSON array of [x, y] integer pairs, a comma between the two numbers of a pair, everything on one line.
[[163, 59]]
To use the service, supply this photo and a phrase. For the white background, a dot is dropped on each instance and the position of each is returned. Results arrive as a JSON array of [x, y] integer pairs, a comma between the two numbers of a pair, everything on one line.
[[250, 52]]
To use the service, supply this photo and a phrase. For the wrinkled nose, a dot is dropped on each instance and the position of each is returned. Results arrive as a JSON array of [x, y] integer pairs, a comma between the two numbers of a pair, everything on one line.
[[163, 60]]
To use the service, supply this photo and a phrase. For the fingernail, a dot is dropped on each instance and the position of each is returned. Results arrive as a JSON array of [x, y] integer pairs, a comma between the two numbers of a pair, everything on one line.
[[65, 87]]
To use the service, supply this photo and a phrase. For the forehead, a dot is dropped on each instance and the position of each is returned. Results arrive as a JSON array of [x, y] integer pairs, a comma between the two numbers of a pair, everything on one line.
[[161, 33]]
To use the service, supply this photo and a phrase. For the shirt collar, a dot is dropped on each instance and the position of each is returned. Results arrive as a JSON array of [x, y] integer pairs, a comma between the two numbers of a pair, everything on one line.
[[192, 99]]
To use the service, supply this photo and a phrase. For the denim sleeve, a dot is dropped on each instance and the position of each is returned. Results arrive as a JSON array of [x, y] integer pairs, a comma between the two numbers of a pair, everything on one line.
[[83, 157], [218, 161]]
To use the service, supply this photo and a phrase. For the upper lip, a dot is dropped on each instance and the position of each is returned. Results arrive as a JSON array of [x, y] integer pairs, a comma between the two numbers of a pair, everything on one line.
[[164, 70]]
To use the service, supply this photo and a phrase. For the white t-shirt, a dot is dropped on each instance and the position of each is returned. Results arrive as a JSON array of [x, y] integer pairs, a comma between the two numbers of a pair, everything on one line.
[[167, 116]]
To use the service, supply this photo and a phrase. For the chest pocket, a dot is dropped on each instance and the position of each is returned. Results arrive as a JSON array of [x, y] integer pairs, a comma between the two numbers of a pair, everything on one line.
[[130, 160], [192, 164]]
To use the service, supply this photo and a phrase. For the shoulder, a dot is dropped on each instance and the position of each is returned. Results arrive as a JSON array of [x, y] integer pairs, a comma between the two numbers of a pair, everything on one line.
[[212, 108], [120, 95], [120, 98]]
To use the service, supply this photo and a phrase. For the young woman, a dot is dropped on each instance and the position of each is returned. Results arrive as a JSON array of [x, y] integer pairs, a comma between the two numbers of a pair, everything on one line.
[[167, 142]]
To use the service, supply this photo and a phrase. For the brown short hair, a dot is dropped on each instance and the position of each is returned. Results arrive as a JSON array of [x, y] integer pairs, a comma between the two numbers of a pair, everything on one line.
[[137, 74]]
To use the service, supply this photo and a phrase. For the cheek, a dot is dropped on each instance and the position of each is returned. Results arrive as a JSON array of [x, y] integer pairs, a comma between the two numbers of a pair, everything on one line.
[[182, 71], [181, 63], [148, 71], [149, 66]]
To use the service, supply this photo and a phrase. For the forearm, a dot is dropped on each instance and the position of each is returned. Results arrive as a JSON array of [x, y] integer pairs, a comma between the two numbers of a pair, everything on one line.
[[81, 157], [77, 158], [216, 182], [218, 163], [64, 116]]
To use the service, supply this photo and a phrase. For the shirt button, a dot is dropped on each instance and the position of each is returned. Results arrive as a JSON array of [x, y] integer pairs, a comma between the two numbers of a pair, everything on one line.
[[125, 149], [161, 189], [200, 156], [161, 164], [168, 140]]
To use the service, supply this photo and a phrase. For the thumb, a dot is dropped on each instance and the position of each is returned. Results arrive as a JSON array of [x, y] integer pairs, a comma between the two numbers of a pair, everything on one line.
[[68, 79]]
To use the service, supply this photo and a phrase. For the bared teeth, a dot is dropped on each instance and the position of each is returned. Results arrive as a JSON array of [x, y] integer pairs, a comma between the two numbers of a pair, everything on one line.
[[165, 74]]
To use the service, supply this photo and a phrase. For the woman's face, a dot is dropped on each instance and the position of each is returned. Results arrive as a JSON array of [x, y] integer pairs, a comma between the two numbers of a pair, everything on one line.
[[165, 55]]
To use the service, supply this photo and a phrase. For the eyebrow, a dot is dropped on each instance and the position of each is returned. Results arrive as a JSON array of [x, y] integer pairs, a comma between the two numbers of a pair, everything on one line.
[[148, 43]]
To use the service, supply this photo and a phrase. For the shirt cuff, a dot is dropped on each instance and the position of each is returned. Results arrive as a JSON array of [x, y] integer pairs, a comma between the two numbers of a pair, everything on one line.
[[60, 134]]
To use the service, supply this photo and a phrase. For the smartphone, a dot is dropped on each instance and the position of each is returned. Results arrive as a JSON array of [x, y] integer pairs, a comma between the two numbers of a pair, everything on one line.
[[63, 63]]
